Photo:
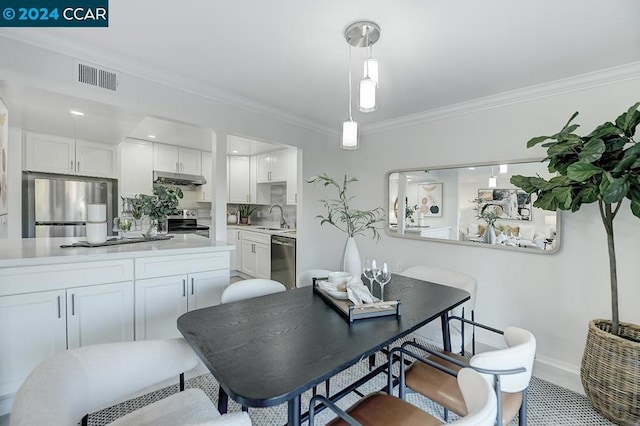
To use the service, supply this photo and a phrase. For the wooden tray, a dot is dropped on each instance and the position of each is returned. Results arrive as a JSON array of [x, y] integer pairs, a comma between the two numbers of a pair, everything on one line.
[[352, 312], [116, 242]]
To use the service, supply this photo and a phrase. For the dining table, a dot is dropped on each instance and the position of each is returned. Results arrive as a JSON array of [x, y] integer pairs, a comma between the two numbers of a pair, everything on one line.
[[269, 350]]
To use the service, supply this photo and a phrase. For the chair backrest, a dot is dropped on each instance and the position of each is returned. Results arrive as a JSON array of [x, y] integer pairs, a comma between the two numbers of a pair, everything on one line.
[[520, 353], [479, 397], [305, 278], [446, 277], [246, 289], [69, 384]]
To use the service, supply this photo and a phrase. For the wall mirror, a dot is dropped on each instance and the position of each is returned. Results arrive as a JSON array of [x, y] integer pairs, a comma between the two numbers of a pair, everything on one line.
[[458, 204]]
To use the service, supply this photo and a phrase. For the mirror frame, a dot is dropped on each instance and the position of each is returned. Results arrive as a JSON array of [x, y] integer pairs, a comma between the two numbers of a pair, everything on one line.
[[469, 243]]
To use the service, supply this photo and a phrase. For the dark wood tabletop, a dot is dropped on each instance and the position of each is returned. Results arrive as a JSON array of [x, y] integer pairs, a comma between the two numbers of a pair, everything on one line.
[[269, 350]]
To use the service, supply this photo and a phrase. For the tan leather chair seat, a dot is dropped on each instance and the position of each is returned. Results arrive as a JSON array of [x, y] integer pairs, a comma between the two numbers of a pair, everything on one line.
[[443, 389], [384, 410]]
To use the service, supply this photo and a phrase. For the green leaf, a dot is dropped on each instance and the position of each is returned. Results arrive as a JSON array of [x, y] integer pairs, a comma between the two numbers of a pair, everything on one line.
[[592, 151], [523, 182], [629, 120], [580, 172], [589, 194], [613, 190], [546, 201], [635, 208], [535, 141], [605, 130], [561, 148], [562, 195]]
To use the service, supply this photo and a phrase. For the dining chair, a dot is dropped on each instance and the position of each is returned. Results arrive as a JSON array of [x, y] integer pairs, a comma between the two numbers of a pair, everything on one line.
[[461, 334], [305, 278], [509, 369], [66, 387], [247, 289], [383, 409]]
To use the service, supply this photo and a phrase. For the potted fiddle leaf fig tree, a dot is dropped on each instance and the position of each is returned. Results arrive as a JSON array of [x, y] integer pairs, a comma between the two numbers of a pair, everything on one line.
[[602, 167], [349, 220]]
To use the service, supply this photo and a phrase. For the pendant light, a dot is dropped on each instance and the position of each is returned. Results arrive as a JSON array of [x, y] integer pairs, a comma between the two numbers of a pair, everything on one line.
[[371, 67], [493, 179], [349, 127], [365, 34]]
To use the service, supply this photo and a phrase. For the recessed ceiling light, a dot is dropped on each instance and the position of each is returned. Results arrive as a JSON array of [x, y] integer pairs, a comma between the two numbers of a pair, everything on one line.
[[472, 168], [235, 151], [151, 136], [75, 112]]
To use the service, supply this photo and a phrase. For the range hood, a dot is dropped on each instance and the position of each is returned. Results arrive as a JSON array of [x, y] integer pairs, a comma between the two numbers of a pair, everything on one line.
[[177, 178]]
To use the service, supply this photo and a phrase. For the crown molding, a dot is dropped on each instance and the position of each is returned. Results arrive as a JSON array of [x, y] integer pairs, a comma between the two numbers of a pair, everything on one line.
[[571, 84], [141, 70]]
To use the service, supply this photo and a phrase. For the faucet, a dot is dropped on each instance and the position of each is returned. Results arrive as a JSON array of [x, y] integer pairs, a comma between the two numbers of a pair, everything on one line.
[[283, 223]]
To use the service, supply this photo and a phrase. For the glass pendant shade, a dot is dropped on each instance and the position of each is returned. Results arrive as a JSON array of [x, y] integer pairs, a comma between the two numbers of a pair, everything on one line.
[[367, 101], [371, 70], [493, 182], [504, 168], [349, 135]]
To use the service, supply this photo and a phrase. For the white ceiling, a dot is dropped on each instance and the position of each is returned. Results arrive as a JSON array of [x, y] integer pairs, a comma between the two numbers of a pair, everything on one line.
[[291, 54]]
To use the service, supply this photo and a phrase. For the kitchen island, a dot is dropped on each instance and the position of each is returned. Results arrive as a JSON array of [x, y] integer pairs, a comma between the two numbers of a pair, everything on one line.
[[54, 298]]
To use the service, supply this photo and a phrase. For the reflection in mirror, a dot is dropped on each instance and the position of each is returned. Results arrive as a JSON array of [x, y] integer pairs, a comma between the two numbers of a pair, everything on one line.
[[473, 205]]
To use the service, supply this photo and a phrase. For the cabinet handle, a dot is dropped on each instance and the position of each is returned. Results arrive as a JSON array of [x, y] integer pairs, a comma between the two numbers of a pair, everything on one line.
[[192, 287], [295, 197], [59, 308], [177, 167], [181, 167], [238, 235], [73, 304], [71, 165], [184, 288], [78, 168]]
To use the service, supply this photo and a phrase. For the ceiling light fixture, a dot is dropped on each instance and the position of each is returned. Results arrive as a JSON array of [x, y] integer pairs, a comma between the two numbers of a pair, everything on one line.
[[76, 112], [349, 127], [503, 168], [151, 136], [365, 34], [493, 180]]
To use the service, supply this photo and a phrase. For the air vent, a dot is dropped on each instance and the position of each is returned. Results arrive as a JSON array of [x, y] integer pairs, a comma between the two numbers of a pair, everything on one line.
[[96, 76]]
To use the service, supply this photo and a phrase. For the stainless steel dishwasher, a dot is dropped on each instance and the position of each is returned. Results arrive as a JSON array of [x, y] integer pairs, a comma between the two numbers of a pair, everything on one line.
[[283, 260]]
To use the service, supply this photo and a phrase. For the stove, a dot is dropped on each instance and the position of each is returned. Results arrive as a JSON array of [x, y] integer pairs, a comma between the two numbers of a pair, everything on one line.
[[186, 222]]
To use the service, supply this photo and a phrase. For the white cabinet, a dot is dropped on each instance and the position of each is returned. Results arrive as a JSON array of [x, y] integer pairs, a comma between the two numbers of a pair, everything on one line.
[[256, 254], [100, 314], [32, 327], [292, 176], [160, 301], [136, 168], [272, 167], [234, 236], [206, 190], [238, 179], [175, 159], [54, 154]]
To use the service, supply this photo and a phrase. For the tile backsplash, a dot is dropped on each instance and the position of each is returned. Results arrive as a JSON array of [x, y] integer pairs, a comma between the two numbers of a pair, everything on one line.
[[262, 217]]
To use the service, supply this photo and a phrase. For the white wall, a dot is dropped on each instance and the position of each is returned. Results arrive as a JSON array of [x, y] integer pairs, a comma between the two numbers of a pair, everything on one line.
[[554, 296]]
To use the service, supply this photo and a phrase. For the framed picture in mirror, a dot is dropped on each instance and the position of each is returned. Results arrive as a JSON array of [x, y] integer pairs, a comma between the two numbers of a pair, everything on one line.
[[512, 204], [430, 199]]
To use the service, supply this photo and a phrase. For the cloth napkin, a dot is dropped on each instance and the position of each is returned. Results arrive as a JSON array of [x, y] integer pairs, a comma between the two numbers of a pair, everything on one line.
[[357, 292]]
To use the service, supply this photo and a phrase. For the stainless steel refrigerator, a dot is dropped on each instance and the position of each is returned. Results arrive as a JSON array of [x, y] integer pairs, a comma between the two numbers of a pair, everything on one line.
[[56, 205]]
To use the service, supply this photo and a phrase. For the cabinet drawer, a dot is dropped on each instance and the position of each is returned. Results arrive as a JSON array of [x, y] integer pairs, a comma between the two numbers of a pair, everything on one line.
[[256, 237], [29, 279], [163, 266]]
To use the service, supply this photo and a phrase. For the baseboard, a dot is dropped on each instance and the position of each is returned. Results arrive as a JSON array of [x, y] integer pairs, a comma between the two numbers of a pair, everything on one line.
[[5, 404]]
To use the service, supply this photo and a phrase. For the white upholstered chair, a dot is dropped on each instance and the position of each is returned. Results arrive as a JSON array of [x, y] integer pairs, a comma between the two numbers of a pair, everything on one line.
[[247, 289], [382, 409], [432, 332], [67, 386], [305, 278], [508, 369]]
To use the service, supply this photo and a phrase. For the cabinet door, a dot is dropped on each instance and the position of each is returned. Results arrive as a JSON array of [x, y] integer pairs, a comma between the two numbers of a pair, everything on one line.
[[100, 314], [166, 158], [263, 260], [32, 327], [279, 166], [46, 153], [231, 239], [263, 167], [96, 159], [238, 253], [136, 168], [248, 258], [205, 288], [239, 179], [190, 161], [292, 176], [158, 304], [206, 189]]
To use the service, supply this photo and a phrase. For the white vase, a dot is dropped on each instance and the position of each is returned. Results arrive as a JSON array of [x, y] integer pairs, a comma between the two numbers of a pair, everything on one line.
[[489, 236], [351, 261]]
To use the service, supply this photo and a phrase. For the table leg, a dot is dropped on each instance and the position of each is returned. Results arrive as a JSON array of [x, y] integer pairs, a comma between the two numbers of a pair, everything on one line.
[[446, 337], [223, 400], [294, 411]]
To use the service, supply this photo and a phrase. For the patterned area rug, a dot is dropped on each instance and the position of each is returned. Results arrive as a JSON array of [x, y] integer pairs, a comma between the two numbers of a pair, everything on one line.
[[549, 405]]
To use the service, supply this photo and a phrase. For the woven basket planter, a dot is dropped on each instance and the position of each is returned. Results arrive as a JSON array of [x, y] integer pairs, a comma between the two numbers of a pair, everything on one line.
[[610, 371]]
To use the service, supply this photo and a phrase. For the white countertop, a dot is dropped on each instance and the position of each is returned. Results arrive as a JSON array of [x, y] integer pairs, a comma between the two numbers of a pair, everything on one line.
[[285, 232], [44, 251]]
